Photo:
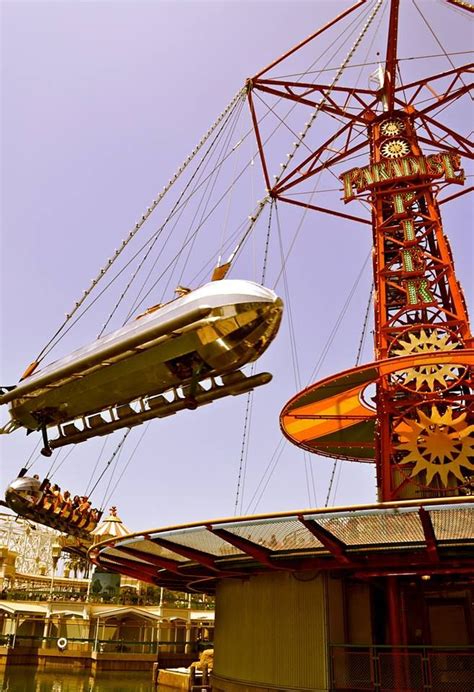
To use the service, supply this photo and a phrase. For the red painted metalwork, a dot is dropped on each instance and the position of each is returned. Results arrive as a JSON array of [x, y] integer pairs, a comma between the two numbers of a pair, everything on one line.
[[391, 60], [335, 546], [430, 538], [162, 562], [424, 353], [406, 97], [419, 305], [258, 552], [312, 36], [427, 545], [198, 556]]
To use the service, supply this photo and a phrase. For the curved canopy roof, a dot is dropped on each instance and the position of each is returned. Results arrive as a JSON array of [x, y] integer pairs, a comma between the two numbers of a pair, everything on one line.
[[413, 537], [336, 416]]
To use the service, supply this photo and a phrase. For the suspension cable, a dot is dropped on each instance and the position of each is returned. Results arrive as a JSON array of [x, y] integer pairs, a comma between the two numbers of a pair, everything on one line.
[[357, 361], [137, 253], [226, 145], [96, 465], [105, 501], [248, 407], [171, 213], [324, 99], [114, 454], [66, 456], [309, 475], [140, 222], [301, 137], [266, 476], [272, 464], [28, 465], [446, 55], [255, 215]]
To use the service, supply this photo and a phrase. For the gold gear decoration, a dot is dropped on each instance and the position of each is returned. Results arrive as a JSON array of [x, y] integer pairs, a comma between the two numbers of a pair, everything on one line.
[[426, 377], [395, 148], [392, 127], [438, 444]]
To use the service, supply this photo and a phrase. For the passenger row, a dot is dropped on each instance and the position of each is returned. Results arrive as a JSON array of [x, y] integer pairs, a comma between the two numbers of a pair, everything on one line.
[[76, 510]]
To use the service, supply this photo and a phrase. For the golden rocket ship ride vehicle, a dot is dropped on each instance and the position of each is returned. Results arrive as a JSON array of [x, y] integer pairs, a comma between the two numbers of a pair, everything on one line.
[[166, 360]]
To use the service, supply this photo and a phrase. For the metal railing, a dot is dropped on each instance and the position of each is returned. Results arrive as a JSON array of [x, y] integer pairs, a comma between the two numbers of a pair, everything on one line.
[[83, 644], [407, 668], [69, 595]]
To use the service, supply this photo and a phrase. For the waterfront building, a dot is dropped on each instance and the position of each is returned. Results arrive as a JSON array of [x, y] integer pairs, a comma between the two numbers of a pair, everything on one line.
[[51, 620]]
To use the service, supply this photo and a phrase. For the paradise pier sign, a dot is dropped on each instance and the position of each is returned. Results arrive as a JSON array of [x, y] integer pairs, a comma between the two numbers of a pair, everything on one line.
[[447, 165]]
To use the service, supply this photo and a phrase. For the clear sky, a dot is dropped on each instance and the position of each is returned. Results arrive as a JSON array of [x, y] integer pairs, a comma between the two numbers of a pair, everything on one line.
[[101, 102]]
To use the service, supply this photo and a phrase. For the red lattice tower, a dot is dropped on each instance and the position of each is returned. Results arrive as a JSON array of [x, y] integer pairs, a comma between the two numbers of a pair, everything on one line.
[[420, 432]]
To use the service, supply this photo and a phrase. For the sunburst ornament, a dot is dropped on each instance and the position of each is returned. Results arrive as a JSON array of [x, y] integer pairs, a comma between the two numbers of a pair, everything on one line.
[[389, 128], [427, 377], [437, 444], [395, 148]]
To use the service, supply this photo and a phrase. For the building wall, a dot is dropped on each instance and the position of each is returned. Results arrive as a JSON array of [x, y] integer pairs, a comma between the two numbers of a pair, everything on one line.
[[271, 630]]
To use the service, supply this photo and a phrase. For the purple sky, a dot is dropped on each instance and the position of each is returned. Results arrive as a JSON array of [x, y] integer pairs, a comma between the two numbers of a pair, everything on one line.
[[101, 102]]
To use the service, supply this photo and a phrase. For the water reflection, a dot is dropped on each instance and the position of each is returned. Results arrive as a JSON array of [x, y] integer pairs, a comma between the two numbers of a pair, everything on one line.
[[29, 679]]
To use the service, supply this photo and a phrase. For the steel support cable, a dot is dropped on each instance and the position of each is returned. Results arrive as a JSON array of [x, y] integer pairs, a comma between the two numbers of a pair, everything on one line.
[[401, 82], [114, 468], [337, 77], [375, 62], [316, 111], [28, 465], [265, 479], [295, 237], [272, 464], [445, 54], [266, 476], [357, 361], [107, 500], [123, 269], [54, 468], [338, 322], [254, 218], [248, 408], [53, 462], [257, 213], [362, 131], [301, 136], [111, 459], [230, 188], [96, 465], [177, 203], [179, 212], [350, 28], [225, 224], [209, 189], [371, 45], [293, 349], [310, 482], [66, 456], [206, 268], [262, 203], [244, 448], [142, 220]]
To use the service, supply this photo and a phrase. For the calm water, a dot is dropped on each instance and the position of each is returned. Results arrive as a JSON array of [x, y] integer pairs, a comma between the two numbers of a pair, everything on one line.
[[26, 679]]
